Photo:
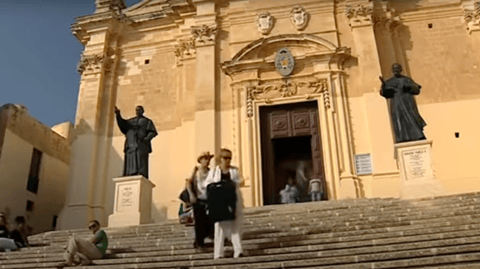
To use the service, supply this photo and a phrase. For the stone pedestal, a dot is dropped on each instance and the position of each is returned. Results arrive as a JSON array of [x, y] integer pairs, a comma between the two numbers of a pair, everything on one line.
[[416, 170], [133, 201]]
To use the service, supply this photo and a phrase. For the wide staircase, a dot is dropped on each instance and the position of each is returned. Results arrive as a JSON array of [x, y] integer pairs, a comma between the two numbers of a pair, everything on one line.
[[441, 232]]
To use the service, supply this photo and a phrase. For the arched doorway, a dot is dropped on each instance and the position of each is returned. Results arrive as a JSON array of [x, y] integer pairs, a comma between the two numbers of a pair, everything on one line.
[[291, 147]]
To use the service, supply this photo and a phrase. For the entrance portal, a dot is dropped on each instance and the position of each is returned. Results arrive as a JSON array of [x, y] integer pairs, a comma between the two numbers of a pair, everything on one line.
[[290, 147]]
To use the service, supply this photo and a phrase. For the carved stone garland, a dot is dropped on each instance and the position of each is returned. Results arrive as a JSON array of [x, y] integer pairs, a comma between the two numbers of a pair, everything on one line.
[[185, 48], [287, 89], [204, 33], [472, 18], [92, 64]]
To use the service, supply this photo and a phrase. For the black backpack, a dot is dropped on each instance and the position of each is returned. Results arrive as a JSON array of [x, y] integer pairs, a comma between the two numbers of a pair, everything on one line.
[[221, 200]]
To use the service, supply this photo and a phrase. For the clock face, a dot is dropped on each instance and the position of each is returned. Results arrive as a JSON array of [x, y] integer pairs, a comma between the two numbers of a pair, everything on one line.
[[284, 62]]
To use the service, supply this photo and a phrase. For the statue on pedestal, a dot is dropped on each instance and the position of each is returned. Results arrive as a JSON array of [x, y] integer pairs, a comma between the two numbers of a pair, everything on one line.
[[407, 122], [139, 131]]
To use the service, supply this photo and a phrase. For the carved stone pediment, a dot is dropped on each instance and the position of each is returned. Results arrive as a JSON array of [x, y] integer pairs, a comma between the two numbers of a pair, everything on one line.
[[308, 48], [264, 23], [299, 17]]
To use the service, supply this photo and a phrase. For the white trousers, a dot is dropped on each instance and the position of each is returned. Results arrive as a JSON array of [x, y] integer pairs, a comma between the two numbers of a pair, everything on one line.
[[224, 229], [83, 248]]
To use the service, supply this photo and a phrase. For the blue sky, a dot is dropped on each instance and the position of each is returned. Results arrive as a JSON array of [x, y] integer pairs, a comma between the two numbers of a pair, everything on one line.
[[39, 56]]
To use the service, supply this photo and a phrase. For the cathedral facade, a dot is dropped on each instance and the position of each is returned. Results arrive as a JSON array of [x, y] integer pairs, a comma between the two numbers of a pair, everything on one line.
[[289, 86]]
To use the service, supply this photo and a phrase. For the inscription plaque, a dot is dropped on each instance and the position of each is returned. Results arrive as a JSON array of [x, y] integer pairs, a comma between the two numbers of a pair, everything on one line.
[[417, 164], [363, 164], [125, 199]]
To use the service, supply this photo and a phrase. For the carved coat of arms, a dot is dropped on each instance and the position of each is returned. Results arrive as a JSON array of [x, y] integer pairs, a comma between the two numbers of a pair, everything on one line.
[[284, 62], [299, 17], [264, 22]]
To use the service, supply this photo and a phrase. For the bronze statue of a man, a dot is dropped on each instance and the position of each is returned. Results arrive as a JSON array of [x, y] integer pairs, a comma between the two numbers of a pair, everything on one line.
[[407, 122], [139, 131]]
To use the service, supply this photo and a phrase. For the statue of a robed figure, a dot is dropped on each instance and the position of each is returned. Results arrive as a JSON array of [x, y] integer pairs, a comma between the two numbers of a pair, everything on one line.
[[139, 131], [407, 122]]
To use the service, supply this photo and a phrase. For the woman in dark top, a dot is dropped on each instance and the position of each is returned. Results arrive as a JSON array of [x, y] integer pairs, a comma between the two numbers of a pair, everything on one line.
[[3, 227], [229, 222], [20, 233]]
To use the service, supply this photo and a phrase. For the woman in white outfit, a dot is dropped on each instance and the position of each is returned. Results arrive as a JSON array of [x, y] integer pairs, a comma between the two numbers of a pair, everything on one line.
[[227, 228]]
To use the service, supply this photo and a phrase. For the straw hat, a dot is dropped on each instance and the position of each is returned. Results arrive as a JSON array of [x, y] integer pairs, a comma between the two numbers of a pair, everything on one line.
[[205, 154]]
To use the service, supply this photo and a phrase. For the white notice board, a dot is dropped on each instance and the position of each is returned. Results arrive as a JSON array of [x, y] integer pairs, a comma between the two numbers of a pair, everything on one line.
[[363, 164]]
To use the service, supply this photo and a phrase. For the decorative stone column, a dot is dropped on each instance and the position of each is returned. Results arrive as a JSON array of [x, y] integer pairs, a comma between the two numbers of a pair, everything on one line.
[[206, 89], [416, 169], [133, 201]]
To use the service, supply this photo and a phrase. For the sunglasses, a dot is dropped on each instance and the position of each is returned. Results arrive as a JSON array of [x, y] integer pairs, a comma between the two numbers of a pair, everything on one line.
[[226, 157], [91, 227]]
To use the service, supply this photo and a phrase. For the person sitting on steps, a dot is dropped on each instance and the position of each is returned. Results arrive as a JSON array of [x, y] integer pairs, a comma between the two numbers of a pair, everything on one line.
[[86, 250], [6, 244], [20, 233]]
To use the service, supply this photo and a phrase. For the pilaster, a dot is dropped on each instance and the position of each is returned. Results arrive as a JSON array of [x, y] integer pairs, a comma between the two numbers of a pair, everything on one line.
[[91, 144], [204, 36]]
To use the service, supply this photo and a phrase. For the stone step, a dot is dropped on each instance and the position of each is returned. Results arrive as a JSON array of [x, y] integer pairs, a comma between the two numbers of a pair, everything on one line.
[[352, 233], [315, 226], [272, 212], [289, 221], [353, 245], [365, 233], [360, 257]]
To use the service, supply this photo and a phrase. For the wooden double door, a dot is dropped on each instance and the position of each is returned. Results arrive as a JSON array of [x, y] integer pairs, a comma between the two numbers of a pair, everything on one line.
[[291, 146]]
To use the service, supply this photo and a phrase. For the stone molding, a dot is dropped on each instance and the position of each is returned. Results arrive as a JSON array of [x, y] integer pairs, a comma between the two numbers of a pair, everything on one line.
[[360, 15], [204, 34], [106, 5], [299, 17], [264, 22], [286, 89], [472, 17]]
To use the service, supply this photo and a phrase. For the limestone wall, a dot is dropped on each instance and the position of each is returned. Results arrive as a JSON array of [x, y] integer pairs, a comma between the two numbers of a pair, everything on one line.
[[22, 134], [196, 107]]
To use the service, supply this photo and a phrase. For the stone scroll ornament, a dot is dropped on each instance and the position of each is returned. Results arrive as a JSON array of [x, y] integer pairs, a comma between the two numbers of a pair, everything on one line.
[[264, 23], [299, 17], [406, 120]]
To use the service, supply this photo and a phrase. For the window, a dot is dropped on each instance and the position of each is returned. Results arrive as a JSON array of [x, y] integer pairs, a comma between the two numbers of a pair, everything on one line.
[[33, 178], [30, 205], [54, 224]]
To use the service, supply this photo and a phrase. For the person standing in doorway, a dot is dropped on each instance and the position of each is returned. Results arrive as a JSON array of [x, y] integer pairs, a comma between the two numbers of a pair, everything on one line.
[[315, 189], [198, 198], [290, 194], [232, 224]]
